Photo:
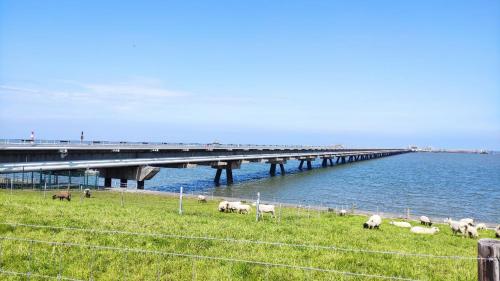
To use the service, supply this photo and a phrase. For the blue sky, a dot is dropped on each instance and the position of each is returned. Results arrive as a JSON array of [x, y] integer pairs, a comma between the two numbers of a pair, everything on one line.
[[358, 73]]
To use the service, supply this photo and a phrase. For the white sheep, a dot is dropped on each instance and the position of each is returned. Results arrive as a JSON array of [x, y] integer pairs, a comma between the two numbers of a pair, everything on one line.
[[481, 226], [202, 199], [243, 208], [373, 222], [425, 221], [222, 206], [467, 221], [343, 212], [456, 226], [263, 208], [400, 224], [471, 231], [232, 206], [424, 230], [497, 232]]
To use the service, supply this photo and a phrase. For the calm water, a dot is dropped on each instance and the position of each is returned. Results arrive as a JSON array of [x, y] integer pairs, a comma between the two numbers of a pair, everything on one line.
[[434, 184]]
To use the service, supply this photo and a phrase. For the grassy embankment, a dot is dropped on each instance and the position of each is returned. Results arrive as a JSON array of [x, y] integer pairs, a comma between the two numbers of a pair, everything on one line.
[[159, 214]]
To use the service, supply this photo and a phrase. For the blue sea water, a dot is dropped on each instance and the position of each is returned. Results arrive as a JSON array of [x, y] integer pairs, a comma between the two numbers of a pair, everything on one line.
[[433, 184]]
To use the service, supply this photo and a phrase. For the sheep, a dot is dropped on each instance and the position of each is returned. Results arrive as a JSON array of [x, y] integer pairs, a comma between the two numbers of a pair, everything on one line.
[[86, 192], [373, 222], [425, 221], [456, 226], [497, 232], [202, 199], [467, 221], [62, 195], [424, 230], [343, 212], [232, 206], [400, 224], [471, 231], [243, 208], [481, 226], [263, 208], [222, 206]]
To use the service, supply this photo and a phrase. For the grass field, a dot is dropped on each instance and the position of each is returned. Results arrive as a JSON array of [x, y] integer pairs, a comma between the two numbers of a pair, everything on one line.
[[132, 254]]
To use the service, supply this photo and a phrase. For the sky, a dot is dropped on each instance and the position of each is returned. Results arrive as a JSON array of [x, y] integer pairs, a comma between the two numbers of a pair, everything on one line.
[[357, 73]]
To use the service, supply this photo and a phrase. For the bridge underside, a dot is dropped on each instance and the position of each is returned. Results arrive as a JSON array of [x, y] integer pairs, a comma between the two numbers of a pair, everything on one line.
[[141, 169]]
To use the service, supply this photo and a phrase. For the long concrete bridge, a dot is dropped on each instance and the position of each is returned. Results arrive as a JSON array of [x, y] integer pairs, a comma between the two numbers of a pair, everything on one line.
[[142, 161]]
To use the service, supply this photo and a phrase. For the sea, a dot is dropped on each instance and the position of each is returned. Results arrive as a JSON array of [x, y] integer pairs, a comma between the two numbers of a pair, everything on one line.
[[439, 185]]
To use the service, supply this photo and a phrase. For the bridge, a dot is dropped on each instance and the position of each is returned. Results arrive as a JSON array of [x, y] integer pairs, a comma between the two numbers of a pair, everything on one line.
[[141, 161]]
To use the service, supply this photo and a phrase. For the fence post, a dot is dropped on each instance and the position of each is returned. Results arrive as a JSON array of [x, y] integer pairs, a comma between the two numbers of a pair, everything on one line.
[[488, 264], [122, 197], [180, 201], [279, 214], [257, 207], [408, 213], [45, 190]]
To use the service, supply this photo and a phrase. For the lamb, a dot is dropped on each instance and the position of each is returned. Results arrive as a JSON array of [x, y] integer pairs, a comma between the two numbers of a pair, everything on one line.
[[202, 199], [424, 230], [62, 195], [456, 226], [467, 221], [400, 224], [373, 222], [263, 208], [243, 208], [86, 192], [471, 231], [497, 232], [343, 212], [425, 221], [481, 226], [222, 206]]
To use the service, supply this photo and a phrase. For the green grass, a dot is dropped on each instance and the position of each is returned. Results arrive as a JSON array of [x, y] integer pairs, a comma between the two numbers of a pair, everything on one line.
[[159, 214]]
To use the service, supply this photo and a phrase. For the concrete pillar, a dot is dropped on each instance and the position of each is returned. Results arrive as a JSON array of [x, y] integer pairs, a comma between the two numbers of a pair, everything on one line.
[[272, 170], [107, 182], [324, 163], [301, 164], [309, 165], [229, 175], [123, 183], [282, 169], [343, 159], [338, 159], [140, 184], [217, 176], [331, 161]]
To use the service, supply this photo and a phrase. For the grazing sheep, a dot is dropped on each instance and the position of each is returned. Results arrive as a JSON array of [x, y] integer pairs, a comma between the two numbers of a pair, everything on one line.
[[244, 209], [425, 221], [222, 206], [471, 231], [62, 195], [373, 222], [86, 192], [456, 226], [481, 226], [343, 212], [424, 230], [401, 224], [263, 208], [467, 221], [232, 206], [497, 232], [202, 199]]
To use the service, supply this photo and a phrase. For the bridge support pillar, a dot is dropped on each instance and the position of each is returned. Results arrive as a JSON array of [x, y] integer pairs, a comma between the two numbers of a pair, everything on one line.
[[272, 170], [301, 164], [338, 160], [107, 182], [140, 184], [309, 165], [229, 175], [217, 176], [324, 163], [123, 183], [331, 161], [282, 169]]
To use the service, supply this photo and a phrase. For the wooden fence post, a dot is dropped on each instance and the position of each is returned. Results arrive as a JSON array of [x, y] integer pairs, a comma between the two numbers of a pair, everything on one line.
[[488, 264]]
